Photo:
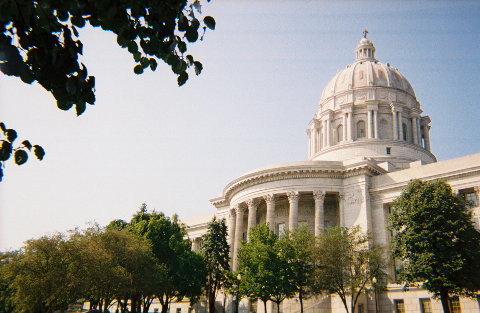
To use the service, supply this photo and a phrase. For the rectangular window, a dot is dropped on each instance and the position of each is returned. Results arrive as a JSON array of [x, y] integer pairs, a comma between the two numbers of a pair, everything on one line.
[[399, 306], [470, 196], [389, 150], [426, 306], [455, 305], [281, 228]]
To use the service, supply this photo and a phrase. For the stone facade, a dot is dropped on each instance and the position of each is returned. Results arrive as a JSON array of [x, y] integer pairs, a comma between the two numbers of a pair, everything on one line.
[[367, 140]]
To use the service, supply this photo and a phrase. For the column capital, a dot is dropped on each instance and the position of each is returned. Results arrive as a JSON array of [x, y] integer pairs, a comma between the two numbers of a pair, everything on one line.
[[477, 190], [252, 203], [293, 196], [318, 194], [395, 107], [269, 198], [341, 196], [372, 106], [425, 120], [240, 209]]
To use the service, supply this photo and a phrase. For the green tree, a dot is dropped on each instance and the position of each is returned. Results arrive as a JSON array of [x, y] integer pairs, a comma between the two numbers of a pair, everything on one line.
[[235, 287], [436, 240], [39, 276], [265, 272], [6, 289], [39, 41], [113, 264], [215, 251], [347, 264], [298, 248], [185, 272]]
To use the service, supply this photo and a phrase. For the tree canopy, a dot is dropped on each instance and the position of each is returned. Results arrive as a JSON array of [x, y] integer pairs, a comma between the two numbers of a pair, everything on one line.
[[265, 272], [298, 248], [127, 264], [435, 239], [347, 263], [185, 273], [39, 42], [215, 251]]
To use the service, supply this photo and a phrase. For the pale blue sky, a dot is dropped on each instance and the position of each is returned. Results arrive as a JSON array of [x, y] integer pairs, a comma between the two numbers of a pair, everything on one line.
[[147, 140]]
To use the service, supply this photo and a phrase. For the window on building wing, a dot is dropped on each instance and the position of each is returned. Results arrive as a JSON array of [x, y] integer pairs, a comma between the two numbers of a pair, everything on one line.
[[455, 305], [426, 305], [399, 306], [470, 196]]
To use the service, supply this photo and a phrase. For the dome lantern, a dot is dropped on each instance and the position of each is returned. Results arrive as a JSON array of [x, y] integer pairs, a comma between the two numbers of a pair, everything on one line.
[[365, 50]]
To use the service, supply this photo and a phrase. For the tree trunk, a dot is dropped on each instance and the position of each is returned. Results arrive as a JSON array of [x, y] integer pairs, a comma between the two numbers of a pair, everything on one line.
[[165, 307], [445, 300], [105, 306], [211, 303], [224, 302], [265, 306], [278, 306], [344, 301], [300, 299]]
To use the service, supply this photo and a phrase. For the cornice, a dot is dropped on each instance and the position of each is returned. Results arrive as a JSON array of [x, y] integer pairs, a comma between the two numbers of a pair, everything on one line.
[[332, 170], [457, 174]]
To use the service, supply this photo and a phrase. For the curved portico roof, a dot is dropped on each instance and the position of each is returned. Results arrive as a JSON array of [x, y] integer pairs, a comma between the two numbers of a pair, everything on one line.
[[297, 170]]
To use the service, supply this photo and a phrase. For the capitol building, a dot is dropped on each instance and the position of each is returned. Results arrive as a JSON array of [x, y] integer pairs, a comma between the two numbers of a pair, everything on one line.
[[367, 139]]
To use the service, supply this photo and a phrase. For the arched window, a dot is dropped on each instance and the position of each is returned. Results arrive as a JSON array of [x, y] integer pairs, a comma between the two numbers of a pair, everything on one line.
[[361, 129], [405, 131], [340, 133]]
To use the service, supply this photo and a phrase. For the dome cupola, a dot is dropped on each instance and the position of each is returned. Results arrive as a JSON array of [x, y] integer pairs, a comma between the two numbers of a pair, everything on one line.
[[365, 50], [369, 109]]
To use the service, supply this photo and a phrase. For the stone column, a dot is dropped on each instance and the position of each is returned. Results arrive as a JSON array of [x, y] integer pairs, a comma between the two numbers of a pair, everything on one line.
[[344, 135], [310, 142], [427, 136], [238, 234], [341, 208], [270, 218], [328, 131], [319, 221], [350, 126], [324, 133], [252, 214], [419, 132], [426, 131], [369, 124], [375, 124], [394, 123], [293, 214], [313, 135], [400, 126], [195, 244], [231, 231], [414, 130]]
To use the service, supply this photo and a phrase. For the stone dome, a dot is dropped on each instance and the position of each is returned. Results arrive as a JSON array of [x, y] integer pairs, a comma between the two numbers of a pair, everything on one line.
[[366, 71], [369, 110]]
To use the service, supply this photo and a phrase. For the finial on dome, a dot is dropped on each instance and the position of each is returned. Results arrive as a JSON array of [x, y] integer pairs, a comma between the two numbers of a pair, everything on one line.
[[365, 32]]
